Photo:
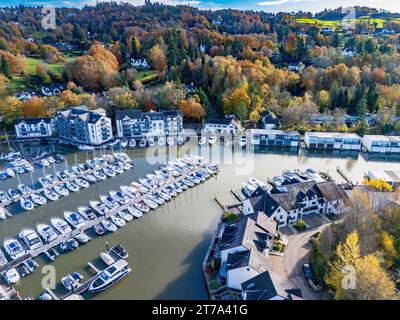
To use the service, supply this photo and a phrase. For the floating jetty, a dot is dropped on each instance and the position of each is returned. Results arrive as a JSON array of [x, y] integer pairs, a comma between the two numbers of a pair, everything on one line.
[[194, 167], [58, 183]]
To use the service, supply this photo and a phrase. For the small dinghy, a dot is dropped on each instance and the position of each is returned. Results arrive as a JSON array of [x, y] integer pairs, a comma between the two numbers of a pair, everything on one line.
[[82, 238], [72, 244], [12, 276], [107, 259], [119, 251], [68, 283]]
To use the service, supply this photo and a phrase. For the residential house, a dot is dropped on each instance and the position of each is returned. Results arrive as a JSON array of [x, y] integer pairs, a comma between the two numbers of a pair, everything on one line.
[[296, 67], [266, 286], [137, 124], [349, 52], [223, 126], [82, 126], [138, 63], [381, 144], [332, 141], [291, 202], [275, 138], [33, 128], [243, 248], [269, 120]]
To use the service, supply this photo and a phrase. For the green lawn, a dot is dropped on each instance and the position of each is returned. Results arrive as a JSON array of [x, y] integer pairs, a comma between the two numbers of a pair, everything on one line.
[[147, 75], [337, 23]]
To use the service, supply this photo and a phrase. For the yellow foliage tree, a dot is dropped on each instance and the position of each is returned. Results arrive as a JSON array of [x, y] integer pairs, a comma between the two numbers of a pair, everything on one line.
[[377, 184]]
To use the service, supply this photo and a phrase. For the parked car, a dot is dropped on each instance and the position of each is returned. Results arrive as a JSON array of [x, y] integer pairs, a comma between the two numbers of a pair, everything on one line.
[[307, 271]]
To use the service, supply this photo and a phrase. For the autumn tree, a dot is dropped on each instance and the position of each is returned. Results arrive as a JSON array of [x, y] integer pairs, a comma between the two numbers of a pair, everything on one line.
[[237, 102], [34, 108], [192, 109], [158, 59], [10, 109], [5, 67]]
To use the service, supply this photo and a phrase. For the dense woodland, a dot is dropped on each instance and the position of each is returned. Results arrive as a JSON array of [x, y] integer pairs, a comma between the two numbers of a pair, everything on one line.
[[236, 62]]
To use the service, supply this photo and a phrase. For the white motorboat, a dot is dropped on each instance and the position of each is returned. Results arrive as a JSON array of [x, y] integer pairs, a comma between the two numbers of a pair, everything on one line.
[[182, 185], [99, 175], [50, 194], [120, 196], [10, 172], [170, 190], [44, 182], [149, 184], [87, 212], [74, 219], [82, 183], [60, 225], [289, 175], [119, 222], [202, 141], [3, 259], [26, 204], [31, 238], [107, 259], [99, 207], [179, 140], [135, 212], [14, 194], [126, 166], [163, 195], [131, 192], [161, 141], [61, 191], [82, 238], [38, 200], [99, 230], [256, 183], [132, 143], [117, 169], [188, 182], [109, 276], [151, 204], [46, 232], [139, 187], [277, 181], [90, 178], [243, 141], [151, 142], [62, 175], [314, 175], [12, 276], [125, 215], [142, 143], [51, 160], [2, 213], [157, 199], [193, 178], [110, 202], [108, 172], [141, 206], [124, 143], [109, 226], [212, 140], [13, 248], [24, 189], [170, 141], [71, 186], [5, 198]]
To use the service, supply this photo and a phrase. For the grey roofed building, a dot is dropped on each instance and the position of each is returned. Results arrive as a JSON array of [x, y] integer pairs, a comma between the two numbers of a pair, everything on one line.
[[265, 287], [249, 258], [249, 232], [269, 120]]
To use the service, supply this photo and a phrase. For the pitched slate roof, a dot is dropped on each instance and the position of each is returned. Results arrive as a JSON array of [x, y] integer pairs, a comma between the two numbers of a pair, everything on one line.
[[132, 114], [248, 258], [260, 287], [290, 196], [219, 121], [32, 120]]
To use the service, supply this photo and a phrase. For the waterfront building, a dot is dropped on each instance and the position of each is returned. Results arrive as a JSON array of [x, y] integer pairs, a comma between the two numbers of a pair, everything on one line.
[[82, 126], [269, 120], [223, 126], [292, 202], [275, 138], [381, 144], [332, 141], [137, 124], [266, 286], [391, 177], [33, 128]]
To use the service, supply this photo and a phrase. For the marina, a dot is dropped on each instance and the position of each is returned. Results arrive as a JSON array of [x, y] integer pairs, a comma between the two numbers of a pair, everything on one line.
[[188, 170], [188, 217]]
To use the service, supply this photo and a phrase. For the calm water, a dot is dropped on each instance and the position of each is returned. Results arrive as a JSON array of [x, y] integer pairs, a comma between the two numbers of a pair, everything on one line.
[[167, 246]]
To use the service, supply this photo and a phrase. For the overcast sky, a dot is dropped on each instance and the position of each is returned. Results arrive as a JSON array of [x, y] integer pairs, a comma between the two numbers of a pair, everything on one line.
[[265, 5]]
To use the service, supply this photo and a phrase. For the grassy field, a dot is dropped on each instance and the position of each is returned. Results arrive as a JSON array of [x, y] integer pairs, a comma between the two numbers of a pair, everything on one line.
[[149, 75], [337, 23]]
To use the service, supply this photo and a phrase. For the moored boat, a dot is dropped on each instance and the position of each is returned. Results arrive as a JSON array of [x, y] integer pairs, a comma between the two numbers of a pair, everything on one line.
[[109, 276], [60, 225], [31, 238]]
